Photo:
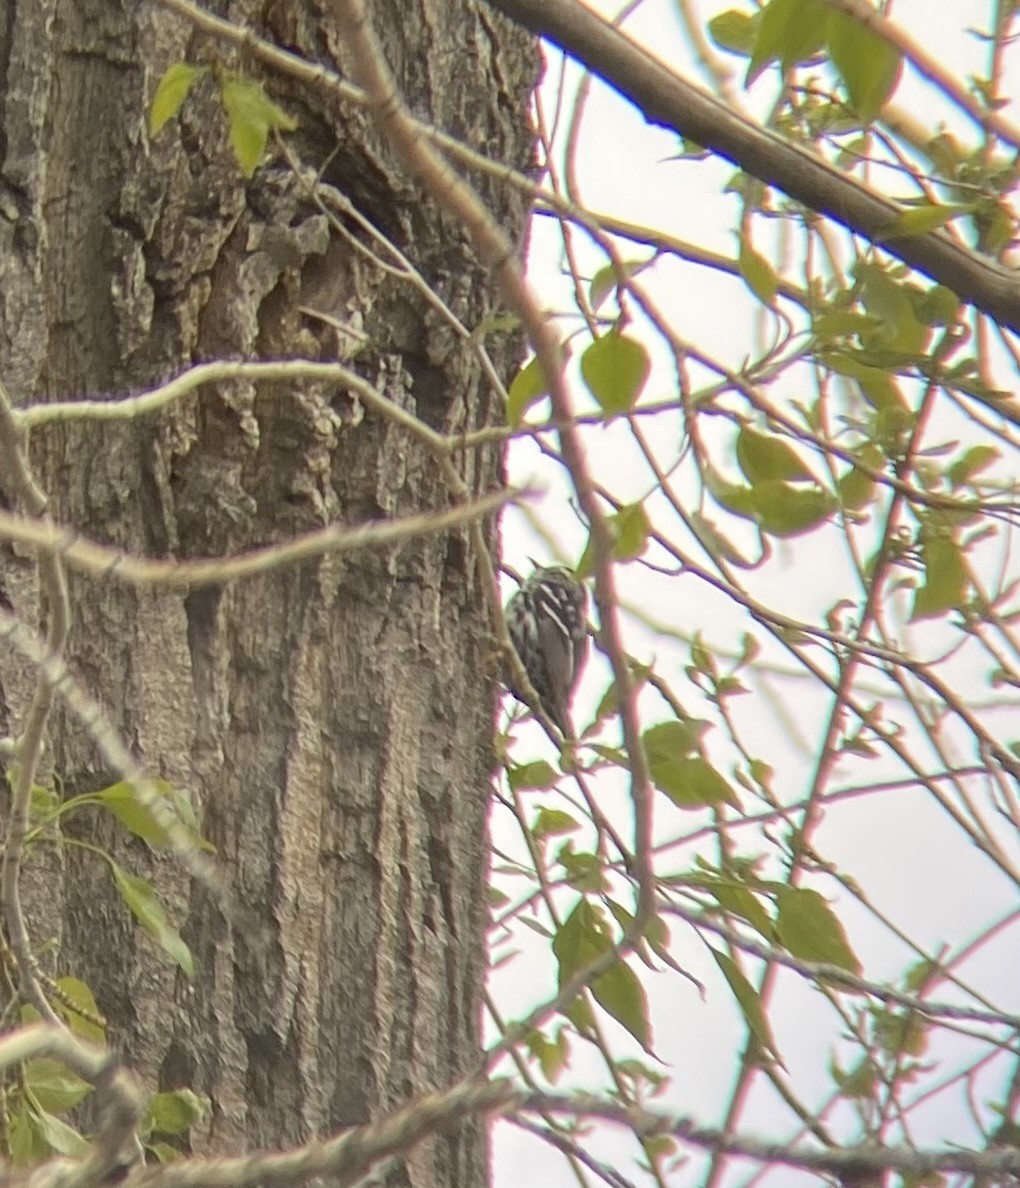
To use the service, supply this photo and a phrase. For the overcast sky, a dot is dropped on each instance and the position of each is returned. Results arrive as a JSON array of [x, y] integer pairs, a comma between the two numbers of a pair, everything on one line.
[[906, 853]]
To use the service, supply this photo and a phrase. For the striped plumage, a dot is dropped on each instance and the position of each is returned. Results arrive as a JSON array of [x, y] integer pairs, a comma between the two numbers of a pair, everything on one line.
[[546, 620]]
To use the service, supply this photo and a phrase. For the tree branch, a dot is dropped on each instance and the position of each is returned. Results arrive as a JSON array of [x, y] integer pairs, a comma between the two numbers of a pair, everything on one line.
[[669, 101]]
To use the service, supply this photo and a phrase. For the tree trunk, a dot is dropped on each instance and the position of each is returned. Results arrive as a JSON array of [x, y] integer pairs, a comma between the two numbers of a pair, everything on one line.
[[331, 723]]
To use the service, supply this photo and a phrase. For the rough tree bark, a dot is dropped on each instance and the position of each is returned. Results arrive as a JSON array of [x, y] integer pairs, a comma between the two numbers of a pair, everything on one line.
[[331, 723]]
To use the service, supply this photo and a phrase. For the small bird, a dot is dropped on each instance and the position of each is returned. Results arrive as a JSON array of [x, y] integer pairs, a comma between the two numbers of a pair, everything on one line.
[[546, 621]]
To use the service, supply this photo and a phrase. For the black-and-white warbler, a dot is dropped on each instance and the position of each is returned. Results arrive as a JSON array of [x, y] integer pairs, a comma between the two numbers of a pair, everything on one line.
[[546, 621]]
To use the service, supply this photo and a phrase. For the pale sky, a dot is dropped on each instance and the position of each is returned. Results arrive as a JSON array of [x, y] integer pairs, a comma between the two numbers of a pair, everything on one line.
[[899, 846]]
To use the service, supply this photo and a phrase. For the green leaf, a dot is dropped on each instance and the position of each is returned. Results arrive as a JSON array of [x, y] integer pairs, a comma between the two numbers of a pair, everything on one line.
[[900, 1032], [539, 774], [251, 116], [810, 930], [691, 782], [164, 1153], [757, 272], [553, 1056], [171, 91], [785, 510], [607, 280], [630, 529], [582, 938], [58, 1136], [938, 306], [552, 823], [534, 925], [867, 63], [148, 911], [53, 1085], [527, 389], [657, 1147], [946, 579], [620, 994], [715, 542], [749, 1001], [79, 996], [860, 1082], [25, 1146], [734, 498], [767, 456], [919, 220], [123, 801], [877, 387], [789, 31], [973, 461], [668, 740], [888, 301], [174, 1112], [581, 1015], [735, 31], [832, 324], [43, 801], [615, 369], [857, 487], [584, 870], [736, 899]]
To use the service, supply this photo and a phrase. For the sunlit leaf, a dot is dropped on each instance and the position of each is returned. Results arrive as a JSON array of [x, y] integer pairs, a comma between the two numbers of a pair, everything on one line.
[[43, 801]]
